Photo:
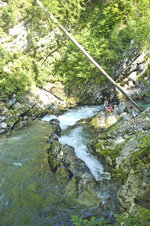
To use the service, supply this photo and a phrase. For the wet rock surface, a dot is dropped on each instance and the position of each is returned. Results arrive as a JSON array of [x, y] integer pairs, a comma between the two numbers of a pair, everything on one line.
[[64, 163], [125, 148], [21, 110]]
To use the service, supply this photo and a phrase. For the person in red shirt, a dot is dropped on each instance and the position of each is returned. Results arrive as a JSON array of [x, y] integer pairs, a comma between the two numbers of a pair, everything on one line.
[[109, 109]]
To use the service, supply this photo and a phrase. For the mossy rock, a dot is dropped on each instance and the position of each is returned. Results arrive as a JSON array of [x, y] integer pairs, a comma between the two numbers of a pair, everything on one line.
[[95, 122], [53, 163], [53, 151], [62, 174]]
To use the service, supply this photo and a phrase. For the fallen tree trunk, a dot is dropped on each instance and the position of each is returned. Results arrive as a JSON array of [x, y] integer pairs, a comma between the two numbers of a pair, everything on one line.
[[87, 55]]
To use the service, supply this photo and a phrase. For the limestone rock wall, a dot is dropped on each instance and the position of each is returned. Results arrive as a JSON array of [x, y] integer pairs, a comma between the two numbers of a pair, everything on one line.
[[21, 110], [125, 148], [131, 73]]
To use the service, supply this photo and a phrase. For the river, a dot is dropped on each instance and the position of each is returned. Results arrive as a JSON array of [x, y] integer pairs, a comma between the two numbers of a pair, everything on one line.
[[29, 193]]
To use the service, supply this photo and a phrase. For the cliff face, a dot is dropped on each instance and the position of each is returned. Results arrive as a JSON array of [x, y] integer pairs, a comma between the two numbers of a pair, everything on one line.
[[40, 52], [125, 148], [128, 73], [21, 110]]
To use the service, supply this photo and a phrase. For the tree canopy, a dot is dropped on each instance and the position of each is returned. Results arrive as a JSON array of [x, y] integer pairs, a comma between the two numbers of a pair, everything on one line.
[[104, 28]]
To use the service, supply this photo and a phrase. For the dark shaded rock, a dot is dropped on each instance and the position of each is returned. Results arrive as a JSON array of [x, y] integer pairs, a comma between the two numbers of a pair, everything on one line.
[[55, 126], [52, 137], [64, 155], [143, 201]]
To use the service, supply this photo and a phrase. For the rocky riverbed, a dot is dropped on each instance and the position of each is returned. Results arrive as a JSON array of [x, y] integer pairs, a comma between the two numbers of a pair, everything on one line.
[[21, 110], [121, 146], [125, 147]]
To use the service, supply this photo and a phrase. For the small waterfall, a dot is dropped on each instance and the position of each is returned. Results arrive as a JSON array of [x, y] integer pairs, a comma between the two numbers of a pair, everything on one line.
[[76, 138], [29, 193]]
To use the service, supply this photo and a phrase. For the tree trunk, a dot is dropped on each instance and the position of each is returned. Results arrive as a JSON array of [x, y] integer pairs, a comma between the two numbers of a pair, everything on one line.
[[87, 55]]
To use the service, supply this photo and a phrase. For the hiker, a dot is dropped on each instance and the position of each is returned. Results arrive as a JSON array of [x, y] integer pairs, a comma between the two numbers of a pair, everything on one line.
[[134, 115], [109, 109], [105, 105]]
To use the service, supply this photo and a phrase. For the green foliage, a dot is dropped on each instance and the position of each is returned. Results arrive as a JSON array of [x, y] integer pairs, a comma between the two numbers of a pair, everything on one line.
[[141, 22], [103, 28], [130, 220], [132, 19], [75, 66], [142, 156], [105, 31], [115, 12], [144, 214], [7, 15], [16, 74], [66, 11], [93, 222], [142, 217], [14, 10]]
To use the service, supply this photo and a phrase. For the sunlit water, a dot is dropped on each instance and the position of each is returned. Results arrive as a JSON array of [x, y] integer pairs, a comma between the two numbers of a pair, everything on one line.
[[78, 139], [29, 193]]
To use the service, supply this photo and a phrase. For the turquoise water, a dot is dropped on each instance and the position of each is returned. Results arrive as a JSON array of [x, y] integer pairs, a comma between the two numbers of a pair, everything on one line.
[[144, 103], [76, 137], [29, 193], [24, 175]]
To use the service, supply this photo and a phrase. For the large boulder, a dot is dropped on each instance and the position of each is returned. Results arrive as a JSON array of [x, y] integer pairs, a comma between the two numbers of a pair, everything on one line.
[[55, 127], [126, 149]]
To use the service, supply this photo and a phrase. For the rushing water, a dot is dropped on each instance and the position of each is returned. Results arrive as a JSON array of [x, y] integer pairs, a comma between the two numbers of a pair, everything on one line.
[[29, 193], [78, 138]]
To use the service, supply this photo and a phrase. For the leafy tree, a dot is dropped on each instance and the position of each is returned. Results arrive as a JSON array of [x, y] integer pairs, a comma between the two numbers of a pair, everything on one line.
[[66, 11], [103, 28], [16, 75], [93, 222], [142, 217]]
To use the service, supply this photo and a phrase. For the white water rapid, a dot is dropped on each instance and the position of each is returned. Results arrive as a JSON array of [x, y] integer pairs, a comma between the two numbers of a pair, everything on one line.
[[77, 137]]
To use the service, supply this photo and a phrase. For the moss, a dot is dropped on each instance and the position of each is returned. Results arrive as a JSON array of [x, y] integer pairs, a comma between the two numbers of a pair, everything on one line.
[[116, 127], [142, 156], [54, 149], [94, 122], [100, 144], [13, 117], [112, 153], [104, 136], [120, 119], [53, 163], [144, 141], [39, 113], [119, 175], [128, 138], [112, 128]]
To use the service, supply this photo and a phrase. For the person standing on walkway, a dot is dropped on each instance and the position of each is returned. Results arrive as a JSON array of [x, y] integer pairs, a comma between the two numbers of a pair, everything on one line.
[[133, 116], [105, 106]]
